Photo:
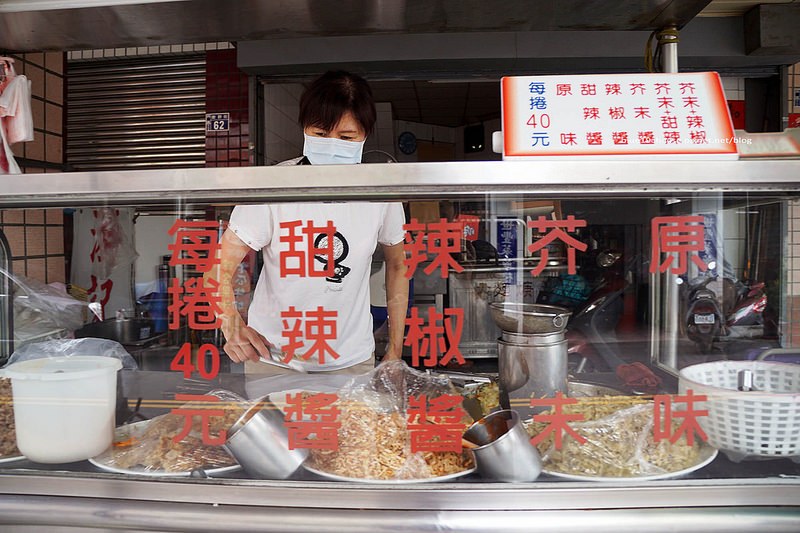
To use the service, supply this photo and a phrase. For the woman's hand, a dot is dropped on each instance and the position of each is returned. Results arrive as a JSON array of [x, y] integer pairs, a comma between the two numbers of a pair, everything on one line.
[[393, 353], [243, 343]]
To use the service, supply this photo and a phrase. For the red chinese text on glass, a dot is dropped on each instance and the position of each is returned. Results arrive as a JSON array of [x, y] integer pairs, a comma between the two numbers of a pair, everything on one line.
[[559, 230], [317, 326], [207, 354], [196, 301], [662, 425], [204, 412], [430, 340], [309, 245], [441, 239], [557, 421], [435, 424], [677, 235], [195, 245], [312, 421]]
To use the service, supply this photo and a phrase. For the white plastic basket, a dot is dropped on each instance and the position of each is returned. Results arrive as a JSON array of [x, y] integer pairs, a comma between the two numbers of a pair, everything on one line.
[[762, 423]]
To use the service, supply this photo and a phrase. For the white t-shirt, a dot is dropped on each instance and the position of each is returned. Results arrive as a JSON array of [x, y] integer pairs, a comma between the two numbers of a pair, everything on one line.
[[360, 226]]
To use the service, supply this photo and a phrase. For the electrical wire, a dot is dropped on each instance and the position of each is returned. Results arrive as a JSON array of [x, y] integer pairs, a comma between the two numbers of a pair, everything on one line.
[[652, 56]]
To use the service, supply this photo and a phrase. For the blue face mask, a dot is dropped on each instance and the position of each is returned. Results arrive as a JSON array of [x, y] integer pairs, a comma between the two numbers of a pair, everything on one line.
[[330, 151]]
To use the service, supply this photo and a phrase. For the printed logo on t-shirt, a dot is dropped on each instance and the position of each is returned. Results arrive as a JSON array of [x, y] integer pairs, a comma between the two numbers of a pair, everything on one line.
[[340, 250]]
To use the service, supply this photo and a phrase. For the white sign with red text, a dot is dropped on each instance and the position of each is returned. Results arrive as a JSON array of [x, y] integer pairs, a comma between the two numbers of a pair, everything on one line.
[[617, 115]]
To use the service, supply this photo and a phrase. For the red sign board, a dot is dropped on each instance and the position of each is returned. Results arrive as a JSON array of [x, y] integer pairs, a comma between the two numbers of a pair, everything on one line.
[[736, 107]]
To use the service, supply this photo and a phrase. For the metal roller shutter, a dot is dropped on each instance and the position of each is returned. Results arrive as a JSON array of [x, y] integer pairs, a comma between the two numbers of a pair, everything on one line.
[[136, 113]]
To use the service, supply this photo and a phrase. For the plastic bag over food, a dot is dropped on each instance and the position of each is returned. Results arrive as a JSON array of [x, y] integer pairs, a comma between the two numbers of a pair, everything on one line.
[[46, 307], [113, 244], [374, 437], [619, 442], [70, 347], [150, 445]]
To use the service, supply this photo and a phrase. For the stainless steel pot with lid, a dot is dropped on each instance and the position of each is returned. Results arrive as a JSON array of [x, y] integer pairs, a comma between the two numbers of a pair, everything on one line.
[[524, 318]]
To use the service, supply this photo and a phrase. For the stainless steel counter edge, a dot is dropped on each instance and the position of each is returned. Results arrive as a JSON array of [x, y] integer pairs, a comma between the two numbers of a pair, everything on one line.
[[406, 181], [166, 516], [433, 496]]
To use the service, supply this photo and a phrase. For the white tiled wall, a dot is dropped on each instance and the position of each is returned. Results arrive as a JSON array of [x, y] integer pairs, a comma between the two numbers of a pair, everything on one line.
[[284, 137], [146, 50], [734, 88], [383, 137]]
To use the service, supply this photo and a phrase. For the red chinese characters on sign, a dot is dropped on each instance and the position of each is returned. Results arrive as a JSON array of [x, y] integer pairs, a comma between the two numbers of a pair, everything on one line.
[[559, 230], [443, 239], [677, 235], [637, 88], [434, 425], [317, 326], [594, 138], [319, 246], [100, 292], [427, 340], [205, 413], [616, 113], [663, 415], [557, 421], [312, 421], [470, 225], [620, 137], [569, 138], [563, 89]]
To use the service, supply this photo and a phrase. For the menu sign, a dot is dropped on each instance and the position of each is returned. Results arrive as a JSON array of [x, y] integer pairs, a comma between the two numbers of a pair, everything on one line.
[[631, 115]]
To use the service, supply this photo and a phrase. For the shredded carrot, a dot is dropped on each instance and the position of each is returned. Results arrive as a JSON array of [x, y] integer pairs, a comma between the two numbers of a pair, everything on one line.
[[130, 442]]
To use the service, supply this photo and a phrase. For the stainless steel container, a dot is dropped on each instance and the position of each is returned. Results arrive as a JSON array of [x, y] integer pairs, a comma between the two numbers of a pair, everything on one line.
[[504, 451], [260, 442], [522, 318], [531, 366]]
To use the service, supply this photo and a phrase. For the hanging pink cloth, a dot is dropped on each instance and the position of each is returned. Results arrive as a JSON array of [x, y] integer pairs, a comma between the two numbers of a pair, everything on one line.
[[15, 108], [16, 119]]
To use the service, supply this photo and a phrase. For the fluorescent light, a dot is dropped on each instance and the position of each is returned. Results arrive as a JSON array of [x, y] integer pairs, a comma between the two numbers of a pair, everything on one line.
[[19, 6]]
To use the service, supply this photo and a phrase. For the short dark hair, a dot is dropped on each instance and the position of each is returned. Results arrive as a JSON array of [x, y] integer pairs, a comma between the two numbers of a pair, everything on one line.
[[332, 95]]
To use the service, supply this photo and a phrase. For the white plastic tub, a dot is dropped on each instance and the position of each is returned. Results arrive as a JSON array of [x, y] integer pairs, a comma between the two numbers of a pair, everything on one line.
[[64, 407]]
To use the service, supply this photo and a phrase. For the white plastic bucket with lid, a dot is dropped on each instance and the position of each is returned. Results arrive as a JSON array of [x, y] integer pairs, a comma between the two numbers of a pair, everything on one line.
[[64, 406]]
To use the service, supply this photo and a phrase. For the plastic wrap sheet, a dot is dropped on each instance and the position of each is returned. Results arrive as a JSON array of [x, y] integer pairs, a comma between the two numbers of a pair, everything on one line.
[[41, 308], [69, 347], [618, 443], [374, 441], [154, 449]]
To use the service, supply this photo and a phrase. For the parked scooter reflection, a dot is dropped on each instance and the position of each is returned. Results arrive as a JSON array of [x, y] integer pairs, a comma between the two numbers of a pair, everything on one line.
[[702, 316], [595, 318], [705, 321]]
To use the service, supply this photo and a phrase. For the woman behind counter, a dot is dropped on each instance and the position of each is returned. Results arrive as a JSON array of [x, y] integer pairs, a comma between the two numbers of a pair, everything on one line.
[[337, 113]]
